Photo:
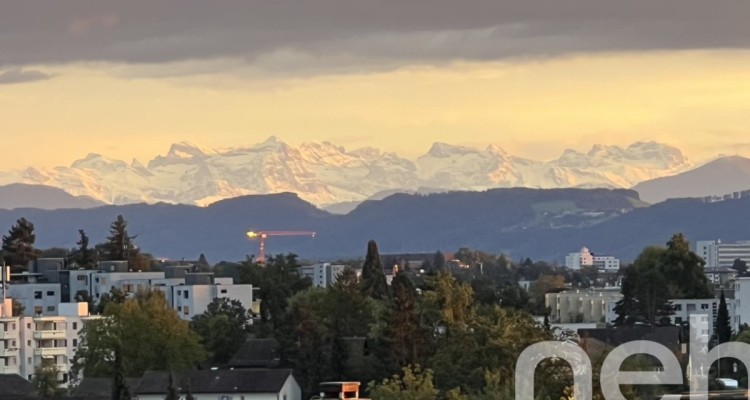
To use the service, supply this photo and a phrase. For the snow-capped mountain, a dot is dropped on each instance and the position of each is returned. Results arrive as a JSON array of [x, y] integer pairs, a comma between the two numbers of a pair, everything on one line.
[[324, 174]]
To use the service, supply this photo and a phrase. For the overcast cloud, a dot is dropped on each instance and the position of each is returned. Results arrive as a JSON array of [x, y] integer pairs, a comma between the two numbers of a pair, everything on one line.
[[306, 34], [18, 75]]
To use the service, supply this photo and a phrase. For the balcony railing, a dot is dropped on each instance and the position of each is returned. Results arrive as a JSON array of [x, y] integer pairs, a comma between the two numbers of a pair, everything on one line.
[[42, 335], [50, 351], [12, 351], [9, 370]]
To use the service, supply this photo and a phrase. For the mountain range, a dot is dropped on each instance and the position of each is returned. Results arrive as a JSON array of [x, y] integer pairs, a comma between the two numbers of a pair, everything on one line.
[[330, 176], [542, 224]]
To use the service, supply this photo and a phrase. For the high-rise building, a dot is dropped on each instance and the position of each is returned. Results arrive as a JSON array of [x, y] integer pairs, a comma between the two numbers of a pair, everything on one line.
[[718, 254]]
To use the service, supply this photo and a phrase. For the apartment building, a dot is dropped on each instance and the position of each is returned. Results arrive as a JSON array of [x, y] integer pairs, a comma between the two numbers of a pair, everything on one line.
[[583, 306], [685, 308], [718, 254], [46, 285], [25, 342], [322, 274], [585, 258]]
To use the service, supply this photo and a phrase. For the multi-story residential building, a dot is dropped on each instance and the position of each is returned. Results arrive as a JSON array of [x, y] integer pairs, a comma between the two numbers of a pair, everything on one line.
[[26, 342], [322, 274], [718, 254], [583, 306], [742, 300], [585, 258], [685, 308], [40, 291], [722, 277]]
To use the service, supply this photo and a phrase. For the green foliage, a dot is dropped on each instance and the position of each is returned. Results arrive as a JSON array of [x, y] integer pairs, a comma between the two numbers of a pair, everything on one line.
[[147, 333], [413, 384], [223, 328], [120, 389], [18, 245], [278, 280], [658, 275], [85, 257], [17, 308], [723, 327], [373, 277], [45, 381], [119, 244]]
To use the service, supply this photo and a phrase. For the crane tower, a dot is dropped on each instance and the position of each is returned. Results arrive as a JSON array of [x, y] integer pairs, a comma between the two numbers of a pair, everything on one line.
[[262, 235]]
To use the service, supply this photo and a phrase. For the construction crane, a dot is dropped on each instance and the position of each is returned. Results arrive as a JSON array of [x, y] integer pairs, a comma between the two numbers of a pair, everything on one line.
[[262, 235]]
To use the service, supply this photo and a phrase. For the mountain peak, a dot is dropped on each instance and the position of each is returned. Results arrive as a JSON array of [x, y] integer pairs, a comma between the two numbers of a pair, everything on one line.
[[441, 149], [184, 150]]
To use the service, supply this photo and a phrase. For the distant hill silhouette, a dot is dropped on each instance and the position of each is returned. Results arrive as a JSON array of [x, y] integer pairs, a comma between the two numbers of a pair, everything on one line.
[[535, 223], [20, 195], [716, 178]]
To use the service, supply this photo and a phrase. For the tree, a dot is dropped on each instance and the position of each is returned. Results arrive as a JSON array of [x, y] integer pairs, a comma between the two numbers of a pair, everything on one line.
[[45, 381], [119, 245], [406, 335], [658, 275], [439, 262], [172, 392], [145, 330], [373, 277], [203, 264], [413, 384], [120, 389], [723, 326], [17, 308], [18, 244], [85, 257], [223, 328], [740, 266]]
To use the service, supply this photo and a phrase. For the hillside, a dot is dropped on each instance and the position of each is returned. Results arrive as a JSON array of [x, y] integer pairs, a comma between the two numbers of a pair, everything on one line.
[[536, 223], [719, 177], [20, 195]]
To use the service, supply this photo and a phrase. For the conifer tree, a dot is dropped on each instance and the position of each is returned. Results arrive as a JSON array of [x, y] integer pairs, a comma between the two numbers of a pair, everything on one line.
[[172, 392], [723, 326], [119, 245], [85, 255], [18, 244], [373, 277]]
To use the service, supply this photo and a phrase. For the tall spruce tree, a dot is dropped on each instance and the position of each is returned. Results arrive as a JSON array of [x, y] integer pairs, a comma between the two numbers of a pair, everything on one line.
[[723, 326], [84, 256], [119, 245], [18, 244], [374, 283]]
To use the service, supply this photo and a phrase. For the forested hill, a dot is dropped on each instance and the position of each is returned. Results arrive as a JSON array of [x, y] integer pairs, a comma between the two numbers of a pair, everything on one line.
[[535, 223]]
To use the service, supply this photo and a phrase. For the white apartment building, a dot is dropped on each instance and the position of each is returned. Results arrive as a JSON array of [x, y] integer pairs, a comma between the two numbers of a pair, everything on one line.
[[722, 255], [322, 274], [742, 300], [585, 258], [583, 306], [684, 308], [26, 341], [41, 290]]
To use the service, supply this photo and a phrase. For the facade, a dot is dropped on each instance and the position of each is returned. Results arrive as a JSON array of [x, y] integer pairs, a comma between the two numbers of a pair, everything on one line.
[[42, 290], [718, 254], [722, 277], [742, 300], [579, 259], [26, 341], [322, 274], [585, 258], [684, 308], [582, 306]]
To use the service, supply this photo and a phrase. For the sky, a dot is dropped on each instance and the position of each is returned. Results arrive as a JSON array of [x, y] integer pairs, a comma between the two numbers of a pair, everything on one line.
[[128, 78]]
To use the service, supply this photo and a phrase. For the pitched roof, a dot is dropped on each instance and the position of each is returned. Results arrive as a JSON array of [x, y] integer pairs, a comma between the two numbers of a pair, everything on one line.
[[218, 381], [14, 386], [100, 388], [257, 353]]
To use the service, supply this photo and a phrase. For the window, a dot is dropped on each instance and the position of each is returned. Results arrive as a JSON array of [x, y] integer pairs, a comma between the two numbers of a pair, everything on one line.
[[50, 293], [75, 342], [678, 307], [75, 325], [704, 306], [13, 326], [186, 294], [186, 310], [50, 308], [81, 278], [179, 292], [179, 308], [678, 320], [38, 294], [28, 326], [223, 291], [37, 309]]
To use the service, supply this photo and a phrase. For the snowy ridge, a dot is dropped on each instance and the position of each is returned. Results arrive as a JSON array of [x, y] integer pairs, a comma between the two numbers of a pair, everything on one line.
[[324, 173]]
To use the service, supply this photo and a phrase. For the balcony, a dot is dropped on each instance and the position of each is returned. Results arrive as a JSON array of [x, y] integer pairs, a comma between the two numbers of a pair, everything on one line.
[[50, 351], [42, 335], [9, 370], [8, 335], [8, 352]]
